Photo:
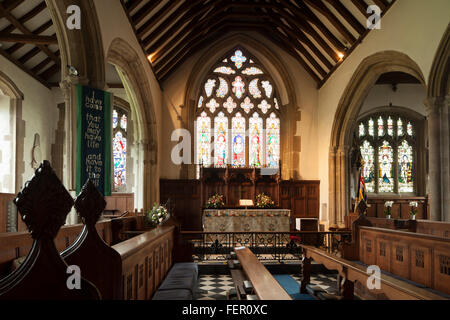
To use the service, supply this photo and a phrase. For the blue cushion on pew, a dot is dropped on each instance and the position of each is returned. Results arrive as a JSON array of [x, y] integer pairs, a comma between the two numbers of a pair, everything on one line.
[[173, 295], [302, 296], [185, 267], [188, 282]]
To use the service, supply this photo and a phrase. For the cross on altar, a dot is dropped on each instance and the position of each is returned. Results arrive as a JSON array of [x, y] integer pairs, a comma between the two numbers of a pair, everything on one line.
[[238, 59]]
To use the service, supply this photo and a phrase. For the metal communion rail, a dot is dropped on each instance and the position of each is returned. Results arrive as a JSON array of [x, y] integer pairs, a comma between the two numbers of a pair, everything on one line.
[[267, 246]]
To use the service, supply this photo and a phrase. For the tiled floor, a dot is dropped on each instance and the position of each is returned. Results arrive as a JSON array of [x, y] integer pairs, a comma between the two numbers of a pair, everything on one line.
[[215, 287]]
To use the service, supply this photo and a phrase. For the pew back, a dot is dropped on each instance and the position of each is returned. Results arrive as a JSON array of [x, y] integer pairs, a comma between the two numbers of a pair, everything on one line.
[[422, 258], [146, 259]]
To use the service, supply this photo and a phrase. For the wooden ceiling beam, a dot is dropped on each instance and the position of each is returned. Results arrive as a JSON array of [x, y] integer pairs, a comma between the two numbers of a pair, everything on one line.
[[30, 54], [39, 30], [22, 67], [160, 32], [25, 31], [49, 72], [156, 18], [362, 6], [28, 16], [322, 28], [31, 39], [157, 51], [132, 4], [144, 11], [12, 4], [348, 16], [323, 9], [300, 35], [383, 4]]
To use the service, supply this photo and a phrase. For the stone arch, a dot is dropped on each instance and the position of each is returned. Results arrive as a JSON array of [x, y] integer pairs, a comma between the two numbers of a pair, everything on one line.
[[438, 102], [9, 88], [290, 143], [345, 119], [137, 87]]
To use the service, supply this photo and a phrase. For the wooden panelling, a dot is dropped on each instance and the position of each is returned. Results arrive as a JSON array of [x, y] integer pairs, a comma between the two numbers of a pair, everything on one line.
[[400, 208], [301, 197], [145, 262], [421, 258], [118, 203], [4, 199]]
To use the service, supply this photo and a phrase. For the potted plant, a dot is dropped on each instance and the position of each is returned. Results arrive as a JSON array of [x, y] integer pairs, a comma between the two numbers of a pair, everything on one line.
[[263, 201], [156, 216], [215, 202], [413, 211], [388, 209]]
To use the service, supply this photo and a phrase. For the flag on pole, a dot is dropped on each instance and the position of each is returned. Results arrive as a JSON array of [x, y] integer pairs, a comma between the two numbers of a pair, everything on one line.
[[361, 201]]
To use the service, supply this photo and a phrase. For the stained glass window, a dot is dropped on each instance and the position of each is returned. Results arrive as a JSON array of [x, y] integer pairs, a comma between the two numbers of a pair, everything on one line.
[[120, 148], [220, 140], [388, 153], [247, 105], [204, 139], [238, 115], [223, 88], [256, 143], [209, 86], [238, 142], [405, 168], [273, 141], [254, 90], [238, 87], [386, 174], [368, 156]]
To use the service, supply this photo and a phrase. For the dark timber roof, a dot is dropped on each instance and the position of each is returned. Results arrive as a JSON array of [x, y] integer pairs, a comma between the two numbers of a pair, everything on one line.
[[314, 32]]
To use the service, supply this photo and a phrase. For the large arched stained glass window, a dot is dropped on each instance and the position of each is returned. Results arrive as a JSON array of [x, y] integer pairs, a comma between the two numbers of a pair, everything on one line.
[[388, 149], [120, 127], [238, 121]]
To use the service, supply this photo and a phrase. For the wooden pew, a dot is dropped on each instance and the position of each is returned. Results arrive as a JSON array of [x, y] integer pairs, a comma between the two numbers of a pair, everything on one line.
[[356, 275], [44, 204], [98, 262], [146, 259], [266, 287]]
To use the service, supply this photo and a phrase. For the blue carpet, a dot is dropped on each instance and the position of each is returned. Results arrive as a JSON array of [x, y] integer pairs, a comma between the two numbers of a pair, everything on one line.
[[292, 287]]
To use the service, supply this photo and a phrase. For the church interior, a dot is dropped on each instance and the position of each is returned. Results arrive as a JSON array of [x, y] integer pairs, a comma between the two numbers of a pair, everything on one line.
[[224, 150]]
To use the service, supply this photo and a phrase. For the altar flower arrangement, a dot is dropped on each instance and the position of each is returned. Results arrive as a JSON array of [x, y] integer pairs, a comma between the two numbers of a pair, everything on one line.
[[157, 215], [388, 208], [263, 201], [413, 210], [215, 202]]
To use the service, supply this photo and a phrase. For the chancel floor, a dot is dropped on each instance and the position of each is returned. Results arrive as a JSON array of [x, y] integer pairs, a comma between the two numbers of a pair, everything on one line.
[[215, 287]]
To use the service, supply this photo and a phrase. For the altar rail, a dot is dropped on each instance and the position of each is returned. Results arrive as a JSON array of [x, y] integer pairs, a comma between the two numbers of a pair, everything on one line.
[[267, 246]]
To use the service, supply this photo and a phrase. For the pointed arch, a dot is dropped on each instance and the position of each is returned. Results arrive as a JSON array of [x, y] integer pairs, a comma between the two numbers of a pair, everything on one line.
[[289, 115], [357, 90], [137, 87]]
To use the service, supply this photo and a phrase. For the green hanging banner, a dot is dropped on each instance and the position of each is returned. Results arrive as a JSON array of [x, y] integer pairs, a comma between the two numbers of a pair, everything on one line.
[[94, 139]]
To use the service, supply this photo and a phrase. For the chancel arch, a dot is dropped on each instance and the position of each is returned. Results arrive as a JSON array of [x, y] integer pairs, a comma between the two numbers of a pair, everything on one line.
[[272, 68], [345, 121], [137, 88]]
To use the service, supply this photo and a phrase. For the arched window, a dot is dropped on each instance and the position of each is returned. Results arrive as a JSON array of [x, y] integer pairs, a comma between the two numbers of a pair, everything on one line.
[[238, 120], [120, 147], [388, 149]]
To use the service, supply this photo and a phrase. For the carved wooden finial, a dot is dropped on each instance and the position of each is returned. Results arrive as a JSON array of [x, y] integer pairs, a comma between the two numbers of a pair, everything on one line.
[[90, 203], [44, 203]]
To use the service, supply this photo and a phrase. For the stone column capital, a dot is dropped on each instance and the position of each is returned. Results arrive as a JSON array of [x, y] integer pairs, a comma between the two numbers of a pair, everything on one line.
[[435, 104]]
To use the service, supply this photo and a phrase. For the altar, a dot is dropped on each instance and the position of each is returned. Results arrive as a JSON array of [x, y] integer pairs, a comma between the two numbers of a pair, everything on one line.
[[243, 220]]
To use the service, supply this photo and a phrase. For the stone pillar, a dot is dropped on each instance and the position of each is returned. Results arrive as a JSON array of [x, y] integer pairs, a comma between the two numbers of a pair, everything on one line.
[[445, 157], [437, 115], [332, 189], [343, 186]]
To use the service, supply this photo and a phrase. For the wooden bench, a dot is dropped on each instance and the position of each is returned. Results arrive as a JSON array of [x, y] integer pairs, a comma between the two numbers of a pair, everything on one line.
[[265, 285], [356, 274]]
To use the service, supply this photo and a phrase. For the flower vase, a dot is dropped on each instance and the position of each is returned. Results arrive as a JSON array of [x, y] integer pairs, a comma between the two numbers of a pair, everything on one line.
[[413, 217], [388, 216]]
